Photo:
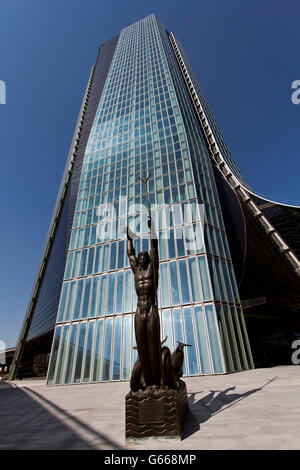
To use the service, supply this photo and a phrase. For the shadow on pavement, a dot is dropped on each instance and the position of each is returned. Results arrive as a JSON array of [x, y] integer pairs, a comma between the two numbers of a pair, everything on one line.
[[27, 424], [210, 405]]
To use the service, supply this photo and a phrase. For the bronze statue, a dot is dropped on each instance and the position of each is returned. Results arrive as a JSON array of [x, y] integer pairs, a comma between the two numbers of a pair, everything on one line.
[[155, 365], [157, 403], [145, 269]]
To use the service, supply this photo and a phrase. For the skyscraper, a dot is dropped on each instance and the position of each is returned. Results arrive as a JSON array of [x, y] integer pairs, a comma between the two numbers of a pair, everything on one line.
[[144, 112]]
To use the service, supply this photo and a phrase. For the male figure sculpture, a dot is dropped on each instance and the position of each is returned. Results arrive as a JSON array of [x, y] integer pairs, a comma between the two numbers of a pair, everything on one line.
[[145, 268]]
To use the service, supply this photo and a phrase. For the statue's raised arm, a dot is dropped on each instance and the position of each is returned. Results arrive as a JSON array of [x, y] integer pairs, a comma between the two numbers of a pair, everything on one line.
[[131, 251], [153, 244]]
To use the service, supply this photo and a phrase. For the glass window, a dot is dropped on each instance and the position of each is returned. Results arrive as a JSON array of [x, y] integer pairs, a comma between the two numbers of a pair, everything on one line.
[[163, 246], [214, 278], [70, 359], [69, 265], [107, 350], [190, 339], [167, 329], [105, 258], [98, 351], [184, 282], [86, 236], [227, 281], [120, 262], [195, 284], [85, 303], [97, 268], [214, 339], [180, 242], [70, 303], [119, 293], [111, 294], [76, 311], [102, 295], [62, 354], [54, 355], [233, 283], [88, 354], [89, 268], [205, 284], [81, 271], [113, 255], [202, 341], [174, 283], [73, 240], [117, 348], [76, 264], [62, 303], [171, 244], [128, 291], [80, 349], [224, 338], [127, 347], [178, 331], [219, 275], [94, 298], [164, 285]]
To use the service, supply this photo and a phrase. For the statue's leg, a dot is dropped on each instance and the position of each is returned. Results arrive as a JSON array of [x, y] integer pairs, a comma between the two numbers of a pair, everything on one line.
[[142, 346], [153, 333]]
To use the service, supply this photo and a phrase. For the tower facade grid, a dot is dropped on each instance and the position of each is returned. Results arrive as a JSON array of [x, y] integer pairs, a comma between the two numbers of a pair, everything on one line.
[[145, 122]]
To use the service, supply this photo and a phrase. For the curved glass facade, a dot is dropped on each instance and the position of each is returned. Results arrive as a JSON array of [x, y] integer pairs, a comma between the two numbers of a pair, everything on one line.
[[145, 123]]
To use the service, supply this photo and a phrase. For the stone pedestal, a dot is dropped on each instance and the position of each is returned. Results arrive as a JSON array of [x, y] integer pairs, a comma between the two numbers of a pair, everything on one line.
[[159, 412]]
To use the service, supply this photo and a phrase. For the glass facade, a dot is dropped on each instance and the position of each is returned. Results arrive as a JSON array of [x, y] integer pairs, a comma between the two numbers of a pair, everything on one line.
[[145, 123]]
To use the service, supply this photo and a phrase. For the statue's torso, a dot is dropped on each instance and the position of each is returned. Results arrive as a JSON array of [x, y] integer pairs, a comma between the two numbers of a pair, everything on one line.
[[145, 285]]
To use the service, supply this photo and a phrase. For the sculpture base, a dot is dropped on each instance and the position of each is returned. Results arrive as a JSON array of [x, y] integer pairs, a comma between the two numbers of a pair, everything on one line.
[[156, 412]]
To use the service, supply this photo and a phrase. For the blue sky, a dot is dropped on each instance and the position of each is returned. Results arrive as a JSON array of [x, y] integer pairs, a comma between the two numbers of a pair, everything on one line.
[[245, 54]]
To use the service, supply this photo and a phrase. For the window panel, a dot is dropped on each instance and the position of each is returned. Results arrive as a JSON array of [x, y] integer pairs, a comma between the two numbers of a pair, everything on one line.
[[86, 298], [102, 295], [88, 353], [98, 351], [164, 285], [79, 355], [54, 352], [214, 339], [167, 328], [202, 341], [184, 282], [111, 294], [62, 303], [107, 350], [126, 373], [174, 283], [119, 293], [78, 299], [70, 303], [178, 331], [70, 359], [195, 284], [117, 348], [190, 339]]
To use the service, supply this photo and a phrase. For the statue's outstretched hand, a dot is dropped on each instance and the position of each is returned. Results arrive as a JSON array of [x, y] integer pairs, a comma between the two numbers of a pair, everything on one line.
[[130, 234]]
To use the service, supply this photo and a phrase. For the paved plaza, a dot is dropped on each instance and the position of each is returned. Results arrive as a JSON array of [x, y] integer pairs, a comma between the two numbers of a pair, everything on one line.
[[257, 409]]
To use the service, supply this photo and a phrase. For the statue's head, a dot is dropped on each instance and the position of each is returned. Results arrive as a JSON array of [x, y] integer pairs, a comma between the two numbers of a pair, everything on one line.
[[143, 259]]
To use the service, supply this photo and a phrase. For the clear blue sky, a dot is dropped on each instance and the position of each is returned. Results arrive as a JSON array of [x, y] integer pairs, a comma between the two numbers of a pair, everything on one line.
[[245, 53]]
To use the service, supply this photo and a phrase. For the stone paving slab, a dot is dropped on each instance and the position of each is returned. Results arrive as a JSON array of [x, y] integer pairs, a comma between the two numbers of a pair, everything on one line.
[[257, 409]]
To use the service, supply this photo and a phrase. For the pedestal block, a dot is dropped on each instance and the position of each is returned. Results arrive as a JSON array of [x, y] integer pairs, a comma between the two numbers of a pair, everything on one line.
[[156, 412]]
